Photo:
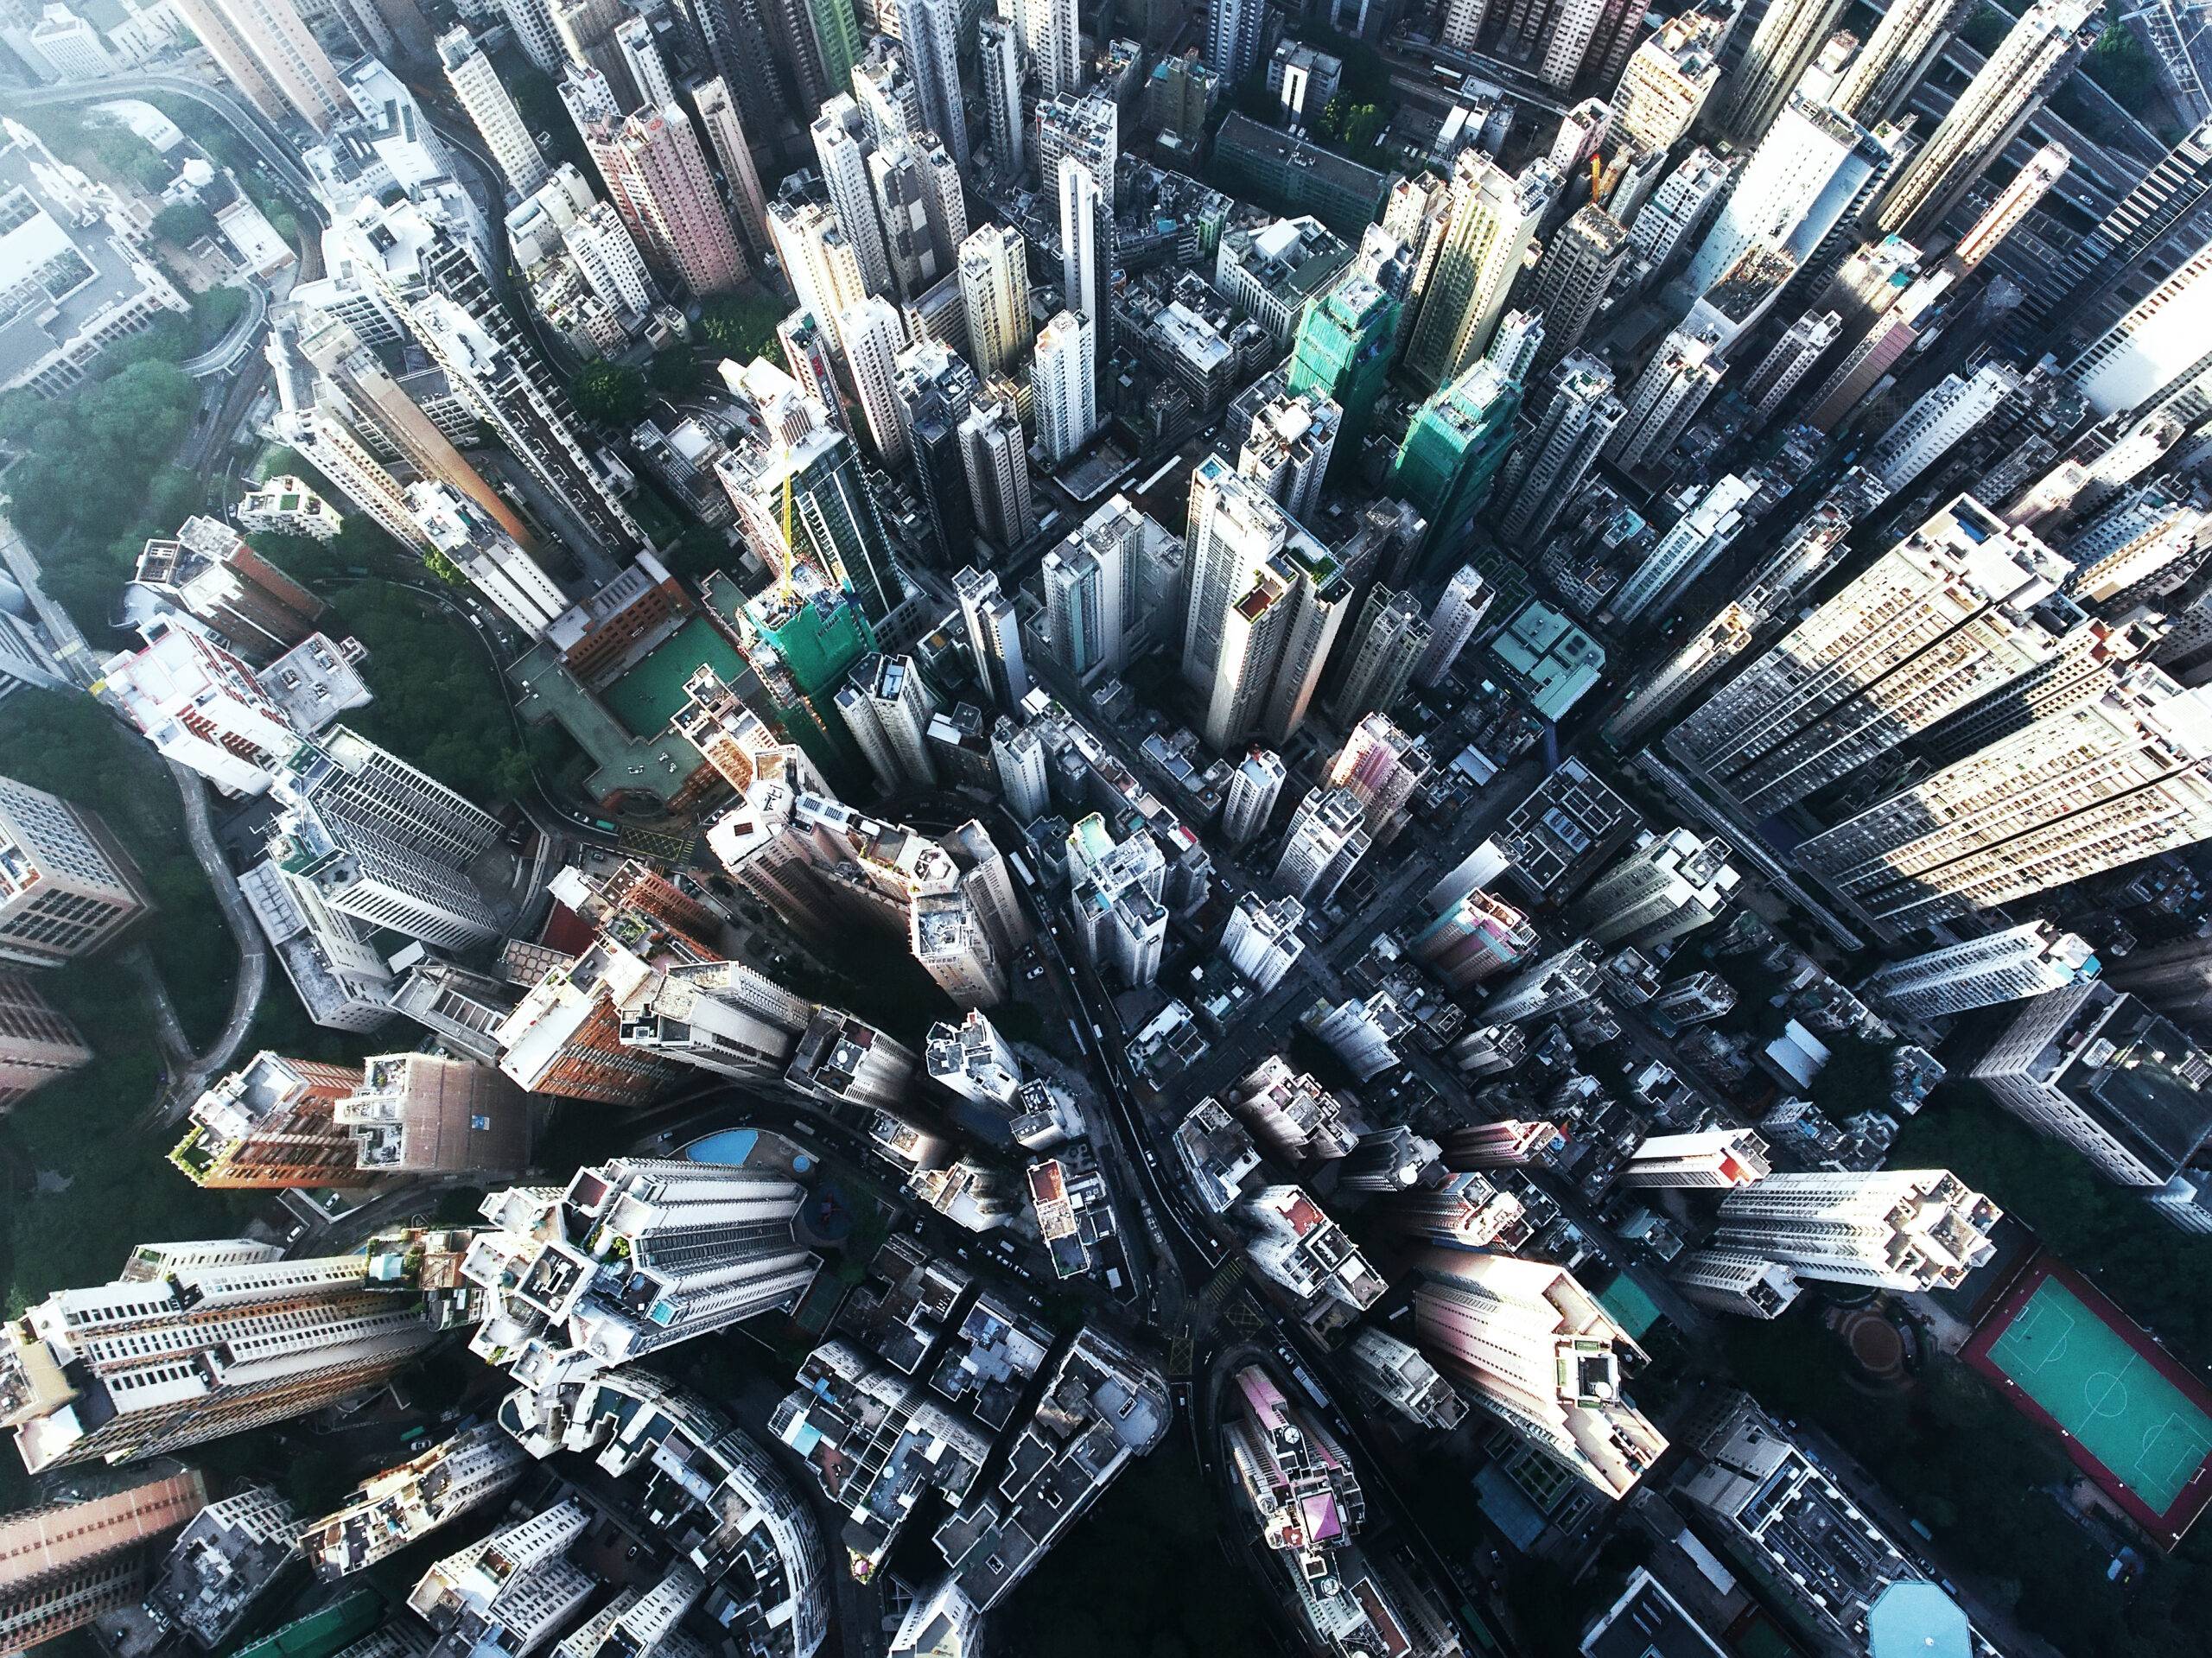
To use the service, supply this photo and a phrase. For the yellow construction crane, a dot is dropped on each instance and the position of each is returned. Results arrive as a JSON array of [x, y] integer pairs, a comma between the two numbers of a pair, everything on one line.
[[791, 554]]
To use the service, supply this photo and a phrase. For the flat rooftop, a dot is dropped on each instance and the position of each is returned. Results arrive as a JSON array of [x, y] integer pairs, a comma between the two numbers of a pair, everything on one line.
[[647, 697]]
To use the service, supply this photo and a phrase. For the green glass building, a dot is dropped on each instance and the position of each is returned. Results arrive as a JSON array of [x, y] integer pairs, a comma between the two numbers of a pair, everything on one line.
[[1342, 351], [1452, 451], [801, 646], [838, 33]]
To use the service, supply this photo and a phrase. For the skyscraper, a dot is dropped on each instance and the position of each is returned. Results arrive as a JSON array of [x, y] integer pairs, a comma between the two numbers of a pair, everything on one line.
[[2041, 50], [841, 145], [1666, 79], [1665, 399], [1394, 1372], [1019, 754], [1051, 45], [1513, 348], [833, 525], [585, 28], [725, 128], [1883, 293], [1459, 611], [1536, 1350], [994, 296], [531, 21], [1577, 423], [67, 889], [1663, 224], [2075, 294], [1787, 39], [1114, 894], [997, 462], [381, 840], [999, 45], [2096, 784], [1453, 450], [887, 708], [1571, 281], [270, 1124], [401, 1505], [994, 637], [506, 134], [1381, 766], [1912, 1229], [1261, 941], [1063, 383], [1705, 1161], [2102, 1070], [1778, 374], [1086, 238], [641, 53], [930, 30], [1671, 885], [1797, 187], [1683, 553], [2018, 963], [702, 1246], [1326, 839], [37, 1042], [658, 179], [1265, 602], [1741, 1281], [1563, 979], [196, 1341], [2156, 349], [1939, 418], [267, 51], [1342, 351], [1287, 447], [2014, 203], [1388, 639], [1255, 785], [523, 406], [1490, 219], [1898, 56], [71, 1563], [872, 333], [1961, 607], [1235, 31]]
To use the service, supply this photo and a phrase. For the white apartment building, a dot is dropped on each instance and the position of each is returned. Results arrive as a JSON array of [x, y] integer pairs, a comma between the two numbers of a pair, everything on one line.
[[2011, 965], [1963, 605], [1326, 839], [1534, 1348], [67, 889], [1708, 1159], [1064, 378], [2094, 785], [2101, 1070], [1261, 941], [1895, 1228], [1671, 885]]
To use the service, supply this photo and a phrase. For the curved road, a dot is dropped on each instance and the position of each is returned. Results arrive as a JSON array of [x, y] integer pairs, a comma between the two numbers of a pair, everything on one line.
[[225, 354], [253, 950], [249, 123]]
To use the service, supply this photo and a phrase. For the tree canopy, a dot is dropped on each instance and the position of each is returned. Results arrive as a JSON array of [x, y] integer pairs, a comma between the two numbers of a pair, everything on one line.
[[185, 223], [95, 479], [611, 393], [742, 326]]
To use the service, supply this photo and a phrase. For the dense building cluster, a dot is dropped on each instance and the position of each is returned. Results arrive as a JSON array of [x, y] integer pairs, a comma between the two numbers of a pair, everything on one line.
[[1317, 716]]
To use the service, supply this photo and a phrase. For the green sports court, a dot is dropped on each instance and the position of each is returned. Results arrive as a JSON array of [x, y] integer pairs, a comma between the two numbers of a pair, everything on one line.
[[2136, 1423]]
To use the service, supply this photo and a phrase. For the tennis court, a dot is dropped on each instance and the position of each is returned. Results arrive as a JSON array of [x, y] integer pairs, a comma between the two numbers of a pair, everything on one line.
[[2097, 1385]]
